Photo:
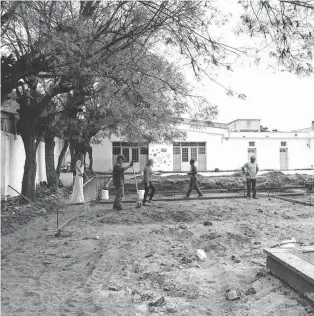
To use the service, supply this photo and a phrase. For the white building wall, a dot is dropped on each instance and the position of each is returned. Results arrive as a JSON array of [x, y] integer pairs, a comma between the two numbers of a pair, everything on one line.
[[235, 150], [102, 155], [41, 164], [12, 166], [224, 150], [16, 164], [311, 148]]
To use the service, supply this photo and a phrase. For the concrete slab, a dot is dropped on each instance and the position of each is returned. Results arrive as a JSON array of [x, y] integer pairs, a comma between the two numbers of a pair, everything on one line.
[[292, 269]]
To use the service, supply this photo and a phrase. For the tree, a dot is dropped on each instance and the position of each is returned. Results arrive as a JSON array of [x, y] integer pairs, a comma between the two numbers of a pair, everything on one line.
[[56, 44], [287, 29]]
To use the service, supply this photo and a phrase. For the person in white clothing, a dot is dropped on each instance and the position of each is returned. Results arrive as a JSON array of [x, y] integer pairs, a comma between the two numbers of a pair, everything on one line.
[[250, 169], [77, 195]]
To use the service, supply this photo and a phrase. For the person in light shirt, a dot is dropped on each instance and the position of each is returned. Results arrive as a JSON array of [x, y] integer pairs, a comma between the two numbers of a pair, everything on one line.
[[148, 173], [193, 180], [250, 169]]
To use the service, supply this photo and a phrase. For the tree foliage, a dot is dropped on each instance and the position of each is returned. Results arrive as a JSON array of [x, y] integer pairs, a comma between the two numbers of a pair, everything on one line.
[[108, 57], [287, 28]]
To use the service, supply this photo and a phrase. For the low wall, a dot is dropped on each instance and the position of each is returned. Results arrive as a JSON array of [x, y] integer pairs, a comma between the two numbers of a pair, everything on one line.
[[13, 159]]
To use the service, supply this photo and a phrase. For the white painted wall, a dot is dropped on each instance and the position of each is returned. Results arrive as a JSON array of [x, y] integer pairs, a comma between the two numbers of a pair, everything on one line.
[[102, 155], [234, 151], [242, 125], [13, 159], [225, 150]]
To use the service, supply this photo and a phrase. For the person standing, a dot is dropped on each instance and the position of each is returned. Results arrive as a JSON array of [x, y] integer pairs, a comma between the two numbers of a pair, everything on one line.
[[250, 169], [193, 180], [77, 194], [118, 181], [148, 172]]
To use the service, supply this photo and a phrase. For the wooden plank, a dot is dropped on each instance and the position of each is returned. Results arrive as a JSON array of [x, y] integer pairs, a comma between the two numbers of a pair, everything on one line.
[[291, 200]]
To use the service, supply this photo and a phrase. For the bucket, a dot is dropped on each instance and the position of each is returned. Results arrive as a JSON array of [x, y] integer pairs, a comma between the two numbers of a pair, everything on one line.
[[105, 195], [141, 194]]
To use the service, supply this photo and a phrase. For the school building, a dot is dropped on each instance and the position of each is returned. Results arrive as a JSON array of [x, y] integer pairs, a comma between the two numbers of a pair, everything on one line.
[[219, 146], [216, 146]]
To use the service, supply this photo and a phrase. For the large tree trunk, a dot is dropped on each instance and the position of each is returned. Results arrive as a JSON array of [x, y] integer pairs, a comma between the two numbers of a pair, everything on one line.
[[61, 156], [30, 167], [52, 178], [73, 155], [90, 156]]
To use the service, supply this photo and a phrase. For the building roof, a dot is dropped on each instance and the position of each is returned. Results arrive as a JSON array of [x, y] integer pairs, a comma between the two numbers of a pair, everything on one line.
[[243, 120], [205, 123], [303, 130]]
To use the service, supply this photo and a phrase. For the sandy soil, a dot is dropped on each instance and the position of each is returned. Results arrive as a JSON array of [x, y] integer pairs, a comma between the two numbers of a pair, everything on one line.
[[143, 261]]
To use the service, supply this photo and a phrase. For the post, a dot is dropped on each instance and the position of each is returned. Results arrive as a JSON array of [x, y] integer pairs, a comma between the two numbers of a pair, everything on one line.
[[57, 218]]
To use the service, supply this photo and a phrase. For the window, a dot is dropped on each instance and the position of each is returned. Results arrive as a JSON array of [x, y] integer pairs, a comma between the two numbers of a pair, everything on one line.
[[116, 151], [176, 150], [185, 154], [193, 144], [194, 154], [144, 151], [185, 144], [251, 150], [176, 144], [248, 125], [126, 153], [283, 150], [116, 144], [202, 144], [283, 143], [201, 150], [252, 144], [135, 154]]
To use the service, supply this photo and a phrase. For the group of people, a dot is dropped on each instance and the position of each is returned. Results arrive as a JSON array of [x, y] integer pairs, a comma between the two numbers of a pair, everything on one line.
[[250, 169], [118, 181]]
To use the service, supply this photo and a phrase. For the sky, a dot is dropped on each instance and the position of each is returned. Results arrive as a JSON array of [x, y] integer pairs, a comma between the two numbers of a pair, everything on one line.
[[282, 100]]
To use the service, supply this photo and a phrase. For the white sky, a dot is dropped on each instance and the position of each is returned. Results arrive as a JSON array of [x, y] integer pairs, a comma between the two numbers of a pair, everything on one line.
[[281, 100]]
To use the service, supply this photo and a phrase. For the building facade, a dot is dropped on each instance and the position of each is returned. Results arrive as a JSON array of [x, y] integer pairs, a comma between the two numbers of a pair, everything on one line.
[[218, 146], [225, 147]]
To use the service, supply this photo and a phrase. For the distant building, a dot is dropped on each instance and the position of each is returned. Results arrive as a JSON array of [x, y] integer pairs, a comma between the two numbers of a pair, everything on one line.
[[217, 145], [213, 146], [244, 125]]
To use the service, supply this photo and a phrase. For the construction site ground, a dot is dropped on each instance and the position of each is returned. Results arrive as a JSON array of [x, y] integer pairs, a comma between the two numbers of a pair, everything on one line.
[[142, 261]]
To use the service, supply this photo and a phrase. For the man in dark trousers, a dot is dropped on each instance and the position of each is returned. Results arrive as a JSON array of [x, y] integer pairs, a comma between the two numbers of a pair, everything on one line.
[[193, 180], [250, 169], [118, 181], [148, 172]]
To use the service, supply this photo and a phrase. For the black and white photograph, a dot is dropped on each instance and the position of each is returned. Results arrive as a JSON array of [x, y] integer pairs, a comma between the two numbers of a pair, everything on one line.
[[157, 158]]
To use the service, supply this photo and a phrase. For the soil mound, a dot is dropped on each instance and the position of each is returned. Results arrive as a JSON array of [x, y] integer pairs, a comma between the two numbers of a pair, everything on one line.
[[274, 175]]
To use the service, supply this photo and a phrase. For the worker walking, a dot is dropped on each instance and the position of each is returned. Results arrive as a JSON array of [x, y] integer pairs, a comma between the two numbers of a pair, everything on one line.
[[148, 173], [250, 169], [193, 180], [118, 181]]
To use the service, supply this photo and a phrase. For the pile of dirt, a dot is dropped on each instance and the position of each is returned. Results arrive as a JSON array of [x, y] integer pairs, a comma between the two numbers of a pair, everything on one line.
[[236, 180], [15, 211]]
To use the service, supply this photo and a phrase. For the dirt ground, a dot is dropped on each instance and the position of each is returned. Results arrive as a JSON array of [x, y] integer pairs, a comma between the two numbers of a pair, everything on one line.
[[143, 261]]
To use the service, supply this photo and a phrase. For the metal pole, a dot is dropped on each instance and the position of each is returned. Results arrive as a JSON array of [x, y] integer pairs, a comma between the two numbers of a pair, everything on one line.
[[57, 218]]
